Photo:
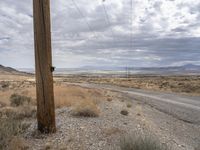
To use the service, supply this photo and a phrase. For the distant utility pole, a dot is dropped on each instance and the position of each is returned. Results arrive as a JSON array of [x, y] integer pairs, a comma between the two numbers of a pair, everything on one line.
[[127, 72], [43, 63]]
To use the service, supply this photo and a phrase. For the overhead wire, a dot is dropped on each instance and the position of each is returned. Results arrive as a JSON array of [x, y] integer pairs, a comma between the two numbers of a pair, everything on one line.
[[84, 18], [109, 23], [107, 17], [131, 33], [131, 17], [88, 24]]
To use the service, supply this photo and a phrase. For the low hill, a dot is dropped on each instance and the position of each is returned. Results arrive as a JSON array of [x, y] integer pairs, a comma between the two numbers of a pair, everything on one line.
[[10, 71]]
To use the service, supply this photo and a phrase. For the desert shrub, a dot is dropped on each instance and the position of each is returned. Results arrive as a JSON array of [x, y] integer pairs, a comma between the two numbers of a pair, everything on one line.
[[112, 131], [197, 147], [2, 105], [18, 113], [4, 84], [47, 146], [109, 99], [86, 109], [25, 112], [18, 143], [18, 100], [129, 105], [137, 142], [124, 112], [10, 128]]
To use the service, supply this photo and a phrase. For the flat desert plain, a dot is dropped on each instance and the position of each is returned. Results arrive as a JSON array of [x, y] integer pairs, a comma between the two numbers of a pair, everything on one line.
[[105, 113]]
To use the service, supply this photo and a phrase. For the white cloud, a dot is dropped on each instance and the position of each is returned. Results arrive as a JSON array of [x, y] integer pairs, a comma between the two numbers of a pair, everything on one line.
[[162, 30]]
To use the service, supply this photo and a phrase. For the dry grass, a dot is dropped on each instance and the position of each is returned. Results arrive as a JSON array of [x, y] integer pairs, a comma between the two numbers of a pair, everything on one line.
[[13, 124], [138, 110], [19, 100], [111, 131], [129, 105], [14, 77], [5, 97], [71, 95], [65, 95], [2, 104], [18, 113], [18, 143], [83, 101], [181, 84], [109, 99], [10, 128], [197, 147], [86, 109], [138, 142]]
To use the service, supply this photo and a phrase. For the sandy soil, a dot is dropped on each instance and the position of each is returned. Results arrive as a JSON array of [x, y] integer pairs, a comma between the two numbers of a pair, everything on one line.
[[105, 131], [102, 132], [189, 85]]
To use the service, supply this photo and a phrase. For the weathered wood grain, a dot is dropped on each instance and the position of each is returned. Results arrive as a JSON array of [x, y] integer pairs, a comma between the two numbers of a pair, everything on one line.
[[43, 63]]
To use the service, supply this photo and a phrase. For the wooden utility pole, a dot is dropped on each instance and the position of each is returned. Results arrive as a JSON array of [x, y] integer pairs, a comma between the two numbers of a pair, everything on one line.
[[43, 63]]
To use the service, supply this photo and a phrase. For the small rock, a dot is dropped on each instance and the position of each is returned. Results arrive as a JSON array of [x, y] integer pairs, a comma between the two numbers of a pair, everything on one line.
[[125, 123], [124, 112], [47, 146]]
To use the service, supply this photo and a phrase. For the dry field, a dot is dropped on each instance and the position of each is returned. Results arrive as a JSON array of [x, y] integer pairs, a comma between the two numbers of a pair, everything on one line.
[[89, 119], [65, 95], [189, 85], [10, 77], [18, 103]]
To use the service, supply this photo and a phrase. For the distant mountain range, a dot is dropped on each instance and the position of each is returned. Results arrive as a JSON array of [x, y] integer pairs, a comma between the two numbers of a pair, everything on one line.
[[10, 71], [185, 69], [179, 70]]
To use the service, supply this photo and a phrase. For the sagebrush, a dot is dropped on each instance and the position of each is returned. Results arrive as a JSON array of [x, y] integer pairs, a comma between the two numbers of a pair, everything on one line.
[[10, 128], [18, 100], [138, 142], [86, 109]]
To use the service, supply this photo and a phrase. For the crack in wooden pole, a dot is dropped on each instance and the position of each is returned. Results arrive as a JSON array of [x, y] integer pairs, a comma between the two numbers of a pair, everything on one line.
[[43, 65]]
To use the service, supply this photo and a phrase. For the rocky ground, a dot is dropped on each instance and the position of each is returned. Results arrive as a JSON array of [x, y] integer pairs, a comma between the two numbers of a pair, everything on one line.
[[187, 85], [104, 132]]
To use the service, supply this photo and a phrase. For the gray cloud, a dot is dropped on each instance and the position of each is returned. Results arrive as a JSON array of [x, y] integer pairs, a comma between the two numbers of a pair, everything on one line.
[[164, 33]]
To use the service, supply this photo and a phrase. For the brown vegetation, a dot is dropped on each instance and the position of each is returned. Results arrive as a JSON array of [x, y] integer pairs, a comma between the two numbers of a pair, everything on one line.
[[181, 84], [65, 95], [10, 129], [86, 109], [109, 99], [83, 101], [129, 105], [18, 103], [111, 131], [138, 142], [19, 100]]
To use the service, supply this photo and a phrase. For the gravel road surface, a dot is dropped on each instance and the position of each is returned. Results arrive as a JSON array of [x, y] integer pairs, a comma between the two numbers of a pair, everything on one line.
[[186, 108]]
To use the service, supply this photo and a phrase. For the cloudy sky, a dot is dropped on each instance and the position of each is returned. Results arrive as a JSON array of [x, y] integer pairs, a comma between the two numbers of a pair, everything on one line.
[[109, 33]]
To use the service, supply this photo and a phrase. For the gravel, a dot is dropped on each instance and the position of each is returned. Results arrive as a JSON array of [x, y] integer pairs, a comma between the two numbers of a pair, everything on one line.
[[104, 132]]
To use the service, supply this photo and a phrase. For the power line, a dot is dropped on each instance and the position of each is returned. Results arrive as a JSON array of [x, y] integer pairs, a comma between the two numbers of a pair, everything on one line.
[[131, 31], [167, 52], [85, 20], [107, 17], [131, 34]]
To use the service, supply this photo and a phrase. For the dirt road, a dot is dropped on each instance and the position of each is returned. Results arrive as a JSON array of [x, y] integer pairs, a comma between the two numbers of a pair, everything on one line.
[[186, 108]]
